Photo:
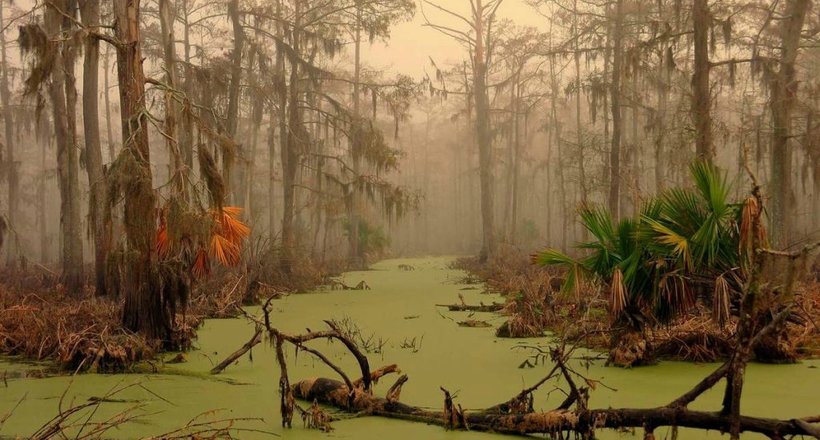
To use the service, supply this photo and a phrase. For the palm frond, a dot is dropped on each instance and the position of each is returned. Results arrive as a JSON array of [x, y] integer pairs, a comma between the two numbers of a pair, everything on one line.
[[617, 293], [711, 184], [720, 301], [598, 221]]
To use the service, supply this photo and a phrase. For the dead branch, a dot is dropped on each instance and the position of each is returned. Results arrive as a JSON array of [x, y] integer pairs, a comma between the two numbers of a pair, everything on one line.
[[255, 340]]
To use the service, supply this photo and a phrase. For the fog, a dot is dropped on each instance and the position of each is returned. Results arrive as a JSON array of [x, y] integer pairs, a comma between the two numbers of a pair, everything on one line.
[[392, 145]]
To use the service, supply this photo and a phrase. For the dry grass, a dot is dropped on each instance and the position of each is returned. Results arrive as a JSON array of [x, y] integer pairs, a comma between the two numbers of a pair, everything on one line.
[[534, 302], [40, 321], [78, 333]]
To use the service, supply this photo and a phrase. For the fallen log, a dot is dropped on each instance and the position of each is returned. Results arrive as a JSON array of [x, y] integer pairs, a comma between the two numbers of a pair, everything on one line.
[[494, 307], [335, 393]]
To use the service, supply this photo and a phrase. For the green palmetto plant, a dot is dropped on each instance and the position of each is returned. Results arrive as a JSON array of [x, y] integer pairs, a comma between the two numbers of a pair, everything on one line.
[[686, 243]]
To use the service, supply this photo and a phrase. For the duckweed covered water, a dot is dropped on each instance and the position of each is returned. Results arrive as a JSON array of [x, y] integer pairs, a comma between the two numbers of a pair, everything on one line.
[[400, 308]]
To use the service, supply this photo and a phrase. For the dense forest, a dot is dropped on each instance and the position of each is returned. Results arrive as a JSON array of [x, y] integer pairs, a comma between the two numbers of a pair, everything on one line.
[[637, 178]]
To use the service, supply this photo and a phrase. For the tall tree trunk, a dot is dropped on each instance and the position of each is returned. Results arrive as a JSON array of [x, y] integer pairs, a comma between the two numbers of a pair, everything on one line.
[[257, 114], [9, 160], [291, 151], [354, 253], [281, 107], [178, 172], [63, 100], [98, 201], [485, 159], [74, 275], [41, 202], [274, 118], [783, 97], [186, 138], [701, 98], [582, 178], [615, 94], [144, 310], [813, 151], [108, 128], [555, 136], [234, 94]]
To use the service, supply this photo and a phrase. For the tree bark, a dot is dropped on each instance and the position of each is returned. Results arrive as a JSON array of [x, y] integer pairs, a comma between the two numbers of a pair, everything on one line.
[[144, 310], [354, 253], [291, 151], [63, 100], [7, 157], [701, 95], [108, 128], [615, 95], [187, 130], [582, 178], [782, 101], [335, 393], [234, 96], [98, 201], [485, 159]]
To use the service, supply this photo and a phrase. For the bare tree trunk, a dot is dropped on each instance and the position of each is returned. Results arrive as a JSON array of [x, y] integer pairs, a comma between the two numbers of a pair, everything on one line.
[[281, 100], [701, 98], [41, 203], [578, 133], [291, 151], [813, 151], [257, 114], [548, 179], [144, 310], [62, 99], [187, 131], [482, 107], [234, 96], [516, 158], [354, 253], [615, 94], [98, 201], [273, 119], [109, 130], [663, 99], [74, 273], [782, 101], [9, 160], [177, 171], [555, 135]]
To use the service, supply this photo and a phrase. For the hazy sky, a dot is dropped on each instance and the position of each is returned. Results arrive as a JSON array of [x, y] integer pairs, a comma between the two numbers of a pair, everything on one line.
[[412, 43]]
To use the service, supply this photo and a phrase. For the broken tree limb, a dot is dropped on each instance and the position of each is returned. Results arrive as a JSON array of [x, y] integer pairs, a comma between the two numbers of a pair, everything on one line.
[[334, 393], [375, 375], [255, 340], [394, 392]]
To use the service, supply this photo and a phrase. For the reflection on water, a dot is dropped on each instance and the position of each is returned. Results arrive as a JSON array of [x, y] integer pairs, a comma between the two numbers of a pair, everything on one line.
[[400, 307]]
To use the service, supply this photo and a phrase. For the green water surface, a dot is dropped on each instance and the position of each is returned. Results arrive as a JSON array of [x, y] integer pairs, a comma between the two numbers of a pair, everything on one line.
[[481, 368]]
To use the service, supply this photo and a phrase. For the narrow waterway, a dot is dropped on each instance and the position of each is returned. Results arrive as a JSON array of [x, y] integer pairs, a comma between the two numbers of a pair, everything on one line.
[[425, 341]]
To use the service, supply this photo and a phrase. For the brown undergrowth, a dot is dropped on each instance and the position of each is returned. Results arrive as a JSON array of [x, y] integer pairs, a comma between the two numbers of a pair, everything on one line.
[[39, 321], [536, 305]]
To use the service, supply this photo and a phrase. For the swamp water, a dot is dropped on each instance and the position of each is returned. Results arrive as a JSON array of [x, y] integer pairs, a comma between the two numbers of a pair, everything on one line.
[[481, 369]]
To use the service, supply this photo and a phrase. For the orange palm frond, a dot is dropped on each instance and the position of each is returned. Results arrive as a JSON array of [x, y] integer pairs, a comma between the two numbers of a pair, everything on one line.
[[224, 251], [234, 229], [233, 211], [202, 265], [163, 242]]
